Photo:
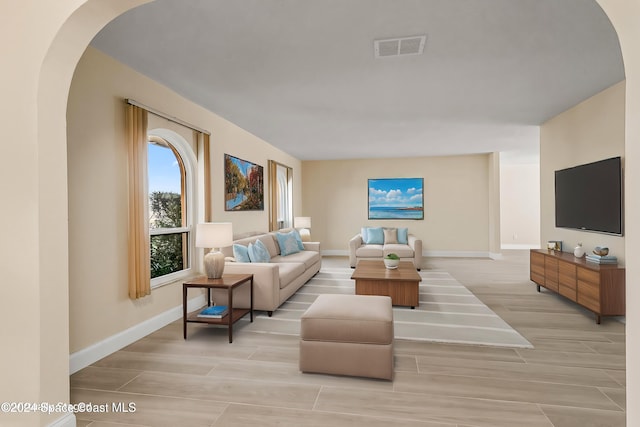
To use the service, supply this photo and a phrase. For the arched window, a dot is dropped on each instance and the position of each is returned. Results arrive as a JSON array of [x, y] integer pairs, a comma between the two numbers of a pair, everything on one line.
[[171, 173], [281, 195]]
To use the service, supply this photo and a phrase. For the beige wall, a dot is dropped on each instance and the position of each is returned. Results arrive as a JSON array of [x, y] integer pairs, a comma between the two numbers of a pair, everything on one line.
[[592, 130], [97, 173], [456, 200], [520, 205]]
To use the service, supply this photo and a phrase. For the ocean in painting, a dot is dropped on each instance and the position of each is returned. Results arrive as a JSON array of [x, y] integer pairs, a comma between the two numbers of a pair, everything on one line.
[[386, 212]]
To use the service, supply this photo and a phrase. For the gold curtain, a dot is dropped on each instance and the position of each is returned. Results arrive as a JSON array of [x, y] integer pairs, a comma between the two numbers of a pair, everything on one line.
[[273, 195], [207, 177], [139, 257]]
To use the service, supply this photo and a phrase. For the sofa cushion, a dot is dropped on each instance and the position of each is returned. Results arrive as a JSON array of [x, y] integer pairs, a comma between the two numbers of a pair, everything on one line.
[[289, 271], [403, 235], [369, 251], [348, 319], [308, 258], [390, 235], [269, 242], [375, 236], [241, 253], [403, 251], [290, 243], [258, 252]]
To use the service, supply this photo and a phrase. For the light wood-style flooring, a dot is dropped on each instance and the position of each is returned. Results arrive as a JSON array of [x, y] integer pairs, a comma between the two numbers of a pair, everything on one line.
[[574, 377]]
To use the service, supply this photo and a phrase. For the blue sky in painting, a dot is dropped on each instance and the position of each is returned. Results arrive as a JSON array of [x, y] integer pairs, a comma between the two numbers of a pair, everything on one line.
[[396, 192], [243, 165], [164, 171]]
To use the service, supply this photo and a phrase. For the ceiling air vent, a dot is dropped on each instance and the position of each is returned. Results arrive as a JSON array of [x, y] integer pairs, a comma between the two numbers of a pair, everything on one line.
[[399, 46]]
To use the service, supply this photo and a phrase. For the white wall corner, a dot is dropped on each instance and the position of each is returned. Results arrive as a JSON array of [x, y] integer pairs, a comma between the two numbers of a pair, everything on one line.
[[67, 420], [85, 357]]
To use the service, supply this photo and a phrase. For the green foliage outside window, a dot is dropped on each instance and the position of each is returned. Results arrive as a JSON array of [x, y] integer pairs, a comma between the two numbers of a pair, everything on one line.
[[167, 250]]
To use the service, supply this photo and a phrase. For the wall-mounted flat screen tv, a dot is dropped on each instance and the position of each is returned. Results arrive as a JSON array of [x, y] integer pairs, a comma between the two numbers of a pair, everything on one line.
[[589, 197]]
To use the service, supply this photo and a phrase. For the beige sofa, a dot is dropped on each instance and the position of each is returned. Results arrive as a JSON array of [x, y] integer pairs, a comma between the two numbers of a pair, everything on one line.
[[275, 281], [410, 251]]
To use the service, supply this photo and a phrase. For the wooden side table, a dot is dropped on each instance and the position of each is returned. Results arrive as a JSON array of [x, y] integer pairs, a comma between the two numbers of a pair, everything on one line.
[[229, 282]]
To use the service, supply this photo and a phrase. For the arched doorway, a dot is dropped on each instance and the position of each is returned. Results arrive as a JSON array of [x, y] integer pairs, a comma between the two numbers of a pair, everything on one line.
[[50, 191]]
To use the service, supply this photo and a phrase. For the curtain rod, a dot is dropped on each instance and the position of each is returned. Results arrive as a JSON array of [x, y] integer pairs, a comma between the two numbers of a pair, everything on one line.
[[166, 116]]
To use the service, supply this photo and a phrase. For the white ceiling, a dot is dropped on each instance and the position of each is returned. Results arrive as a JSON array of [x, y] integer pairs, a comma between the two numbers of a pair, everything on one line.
[[302, 74]]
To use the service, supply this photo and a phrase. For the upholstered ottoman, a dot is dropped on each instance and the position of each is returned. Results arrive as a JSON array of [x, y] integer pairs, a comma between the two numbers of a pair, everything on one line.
[[348, 335]]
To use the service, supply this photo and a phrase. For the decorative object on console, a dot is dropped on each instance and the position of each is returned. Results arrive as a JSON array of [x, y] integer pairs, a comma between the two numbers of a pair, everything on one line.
[[406, 193], [601, 256], [243, 185], [598, 259], [214, 235], [601, 251], [578, 251], [391, 261], [303, 224], [555, 245]]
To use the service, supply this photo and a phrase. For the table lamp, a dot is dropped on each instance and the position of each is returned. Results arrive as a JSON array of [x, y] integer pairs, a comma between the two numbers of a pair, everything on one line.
[[303, 223], [214, 235]]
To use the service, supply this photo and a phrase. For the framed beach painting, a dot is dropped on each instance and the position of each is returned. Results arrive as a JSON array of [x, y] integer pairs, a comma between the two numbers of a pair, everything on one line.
[[243, 185], [396, 198]]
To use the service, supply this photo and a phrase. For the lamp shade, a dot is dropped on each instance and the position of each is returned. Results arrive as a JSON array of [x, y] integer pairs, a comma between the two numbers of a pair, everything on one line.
[[302, 222], [214, 235]]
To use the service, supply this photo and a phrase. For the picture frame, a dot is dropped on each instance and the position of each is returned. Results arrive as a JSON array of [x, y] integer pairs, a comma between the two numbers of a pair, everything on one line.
[[243, 185], [395, 198], [554, 245]]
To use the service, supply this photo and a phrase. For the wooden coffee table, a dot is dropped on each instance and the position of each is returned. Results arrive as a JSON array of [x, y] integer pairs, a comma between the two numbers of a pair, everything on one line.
[[401, 284]]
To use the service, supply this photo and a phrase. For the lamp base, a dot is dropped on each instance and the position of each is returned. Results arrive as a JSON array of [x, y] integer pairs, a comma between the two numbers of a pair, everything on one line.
[[305, 234], [214, 264]]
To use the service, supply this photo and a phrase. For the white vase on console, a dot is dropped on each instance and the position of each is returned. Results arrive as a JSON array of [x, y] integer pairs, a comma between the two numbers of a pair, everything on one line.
[[578, 252]]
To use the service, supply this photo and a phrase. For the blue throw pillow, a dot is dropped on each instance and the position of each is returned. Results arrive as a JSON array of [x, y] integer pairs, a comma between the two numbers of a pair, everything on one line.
[[289, 243], [241, 253], [375, 236], [258, 252], [363, 233], [403, 236], [296, 234]]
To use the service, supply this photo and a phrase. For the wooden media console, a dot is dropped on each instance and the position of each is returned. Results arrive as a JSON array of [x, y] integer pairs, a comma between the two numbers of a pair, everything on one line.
[[599, 288]]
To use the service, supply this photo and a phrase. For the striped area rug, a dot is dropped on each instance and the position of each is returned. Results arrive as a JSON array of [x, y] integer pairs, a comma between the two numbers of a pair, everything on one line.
[[448, 312]]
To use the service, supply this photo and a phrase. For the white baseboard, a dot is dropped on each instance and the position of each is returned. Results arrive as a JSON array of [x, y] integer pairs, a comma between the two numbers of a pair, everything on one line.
[[67, 420], [85, 357], [457, 254], [520, 246], [443, 254], [334, 252]]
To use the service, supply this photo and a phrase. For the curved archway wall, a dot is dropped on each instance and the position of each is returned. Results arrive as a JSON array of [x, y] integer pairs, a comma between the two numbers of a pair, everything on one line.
[[43, 42]]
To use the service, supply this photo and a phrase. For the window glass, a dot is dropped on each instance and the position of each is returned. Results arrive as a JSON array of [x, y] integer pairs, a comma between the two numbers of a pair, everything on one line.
[[169, 230]]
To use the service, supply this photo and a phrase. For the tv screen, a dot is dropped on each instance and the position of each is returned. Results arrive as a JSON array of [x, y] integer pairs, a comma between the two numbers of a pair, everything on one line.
[[589, 197]]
